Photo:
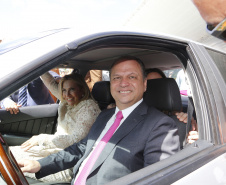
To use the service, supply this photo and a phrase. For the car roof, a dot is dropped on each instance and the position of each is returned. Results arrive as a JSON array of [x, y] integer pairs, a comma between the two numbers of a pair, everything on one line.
[[13, 44], [101, 51], [52, 45]]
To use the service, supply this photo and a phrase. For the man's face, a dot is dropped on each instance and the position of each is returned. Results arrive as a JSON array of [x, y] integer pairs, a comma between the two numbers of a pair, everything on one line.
[[127, 83]]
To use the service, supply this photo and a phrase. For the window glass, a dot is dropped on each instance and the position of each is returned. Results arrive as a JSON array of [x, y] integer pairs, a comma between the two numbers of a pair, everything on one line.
[[65, 71], [92, 77], [220, 61], [172, 73], [32, 94], [181, 78], [105, 75]]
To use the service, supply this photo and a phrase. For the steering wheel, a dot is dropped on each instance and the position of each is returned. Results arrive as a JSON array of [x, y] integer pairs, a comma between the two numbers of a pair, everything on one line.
[[9, 168]]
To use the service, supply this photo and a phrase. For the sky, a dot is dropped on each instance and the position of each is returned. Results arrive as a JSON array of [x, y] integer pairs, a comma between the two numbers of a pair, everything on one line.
[[19, 17]]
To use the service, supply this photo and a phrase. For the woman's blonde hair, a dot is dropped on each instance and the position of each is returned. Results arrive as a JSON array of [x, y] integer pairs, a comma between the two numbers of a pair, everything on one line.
[[80, 82]]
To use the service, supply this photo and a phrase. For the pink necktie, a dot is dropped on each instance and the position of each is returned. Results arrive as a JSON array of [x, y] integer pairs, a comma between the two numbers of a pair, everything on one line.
[[81, 180]]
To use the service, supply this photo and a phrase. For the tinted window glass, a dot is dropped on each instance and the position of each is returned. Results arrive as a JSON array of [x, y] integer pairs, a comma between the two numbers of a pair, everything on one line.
[[220, 61]]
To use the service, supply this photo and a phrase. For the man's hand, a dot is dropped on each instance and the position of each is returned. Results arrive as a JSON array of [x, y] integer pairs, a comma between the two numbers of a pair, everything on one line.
[[184, 118], [30, 166], [30, 143], [11, 106], [192, 135]]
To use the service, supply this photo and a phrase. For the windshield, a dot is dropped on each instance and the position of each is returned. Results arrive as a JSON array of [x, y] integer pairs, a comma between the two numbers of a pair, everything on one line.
[[25, 40]]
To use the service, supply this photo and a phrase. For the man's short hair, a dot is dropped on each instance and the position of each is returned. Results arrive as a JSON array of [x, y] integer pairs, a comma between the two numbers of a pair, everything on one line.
[[129, 57]]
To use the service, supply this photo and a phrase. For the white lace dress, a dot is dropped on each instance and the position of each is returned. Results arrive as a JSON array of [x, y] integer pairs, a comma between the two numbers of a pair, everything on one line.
[[74, 123]]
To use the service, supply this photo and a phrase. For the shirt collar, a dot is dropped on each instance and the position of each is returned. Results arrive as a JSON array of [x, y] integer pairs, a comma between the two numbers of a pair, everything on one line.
[[126, 112]]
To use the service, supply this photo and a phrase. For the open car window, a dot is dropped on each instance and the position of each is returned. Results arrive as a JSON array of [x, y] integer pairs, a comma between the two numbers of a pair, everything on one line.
[[205, 74]]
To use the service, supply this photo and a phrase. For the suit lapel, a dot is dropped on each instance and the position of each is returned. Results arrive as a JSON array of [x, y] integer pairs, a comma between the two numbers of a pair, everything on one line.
[[98, 128], [127, 126]]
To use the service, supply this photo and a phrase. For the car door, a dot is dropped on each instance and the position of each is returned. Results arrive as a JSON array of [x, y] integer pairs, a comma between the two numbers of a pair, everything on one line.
[[200, 162], [32, 120], [209, 98]]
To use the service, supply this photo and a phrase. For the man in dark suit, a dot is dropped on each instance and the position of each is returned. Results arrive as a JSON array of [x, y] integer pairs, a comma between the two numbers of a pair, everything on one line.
[[143, 137], [36, 94]]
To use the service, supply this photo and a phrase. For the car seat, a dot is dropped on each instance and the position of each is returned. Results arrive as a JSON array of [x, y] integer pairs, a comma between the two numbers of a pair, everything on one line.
[[164, 95], [101, 93]]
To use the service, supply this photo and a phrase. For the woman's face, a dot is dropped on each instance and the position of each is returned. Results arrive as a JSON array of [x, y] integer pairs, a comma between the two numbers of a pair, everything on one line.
[[71, 92], [153, 75]]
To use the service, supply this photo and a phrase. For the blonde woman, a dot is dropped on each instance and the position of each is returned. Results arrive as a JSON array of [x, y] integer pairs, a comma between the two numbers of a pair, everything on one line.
[[76, 114]]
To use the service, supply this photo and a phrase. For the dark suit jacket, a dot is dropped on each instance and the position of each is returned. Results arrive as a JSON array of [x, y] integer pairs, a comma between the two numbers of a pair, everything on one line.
[[145, 137]]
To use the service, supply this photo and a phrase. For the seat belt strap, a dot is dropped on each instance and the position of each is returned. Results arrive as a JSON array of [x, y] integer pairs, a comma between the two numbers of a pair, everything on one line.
[[190, 113]]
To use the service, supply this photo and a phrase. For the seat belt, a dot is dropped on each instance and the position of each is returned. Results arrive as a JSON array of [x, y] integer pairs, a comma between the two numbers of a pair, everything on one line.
[[190, 112]]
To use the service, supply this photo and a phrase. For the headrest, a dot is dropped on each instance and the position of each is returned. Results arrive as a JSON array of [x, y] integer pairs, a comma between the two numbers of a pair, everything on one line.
[[101, 93], [163, 94]]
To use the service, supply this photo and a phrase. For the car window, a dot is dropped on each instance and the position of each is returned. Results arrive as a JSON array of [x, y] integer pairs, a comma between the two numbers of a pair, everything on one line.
[[220, 61], [172, 73], [105, 75], [65, 71], [180, 76], [36, 92]]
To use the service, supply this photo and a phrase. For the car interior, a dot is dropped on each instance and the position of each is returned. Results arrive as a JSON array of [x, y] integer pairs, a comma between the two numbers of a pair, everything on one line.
[[99, 54]]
